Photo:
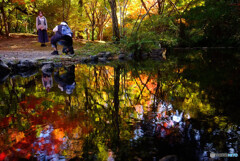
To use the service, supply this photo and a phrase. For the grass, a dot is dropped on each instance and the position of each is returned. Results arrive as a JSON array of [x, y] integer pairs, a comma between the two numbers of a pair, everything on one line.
[[93, 48]]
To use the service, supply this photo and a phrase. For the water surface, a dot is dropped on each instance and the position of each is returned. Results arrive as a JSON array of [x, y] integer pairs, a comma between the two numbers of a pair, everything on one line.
[[187, 106]]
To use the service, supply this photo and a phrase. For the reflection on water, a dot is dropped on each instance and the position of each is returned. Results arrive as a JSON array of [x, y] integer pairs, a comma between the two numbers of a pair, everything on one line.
[[185, 108]]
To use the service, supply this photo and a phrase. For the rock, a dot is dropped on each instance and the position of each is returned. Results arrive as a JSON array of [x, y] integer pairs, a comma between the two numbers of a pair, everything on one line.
[[169, 158], [131, 56], [4, 70], [3, 65], [121, 56], [47, 69], [158, 54], [84, 60], [93, 62], [28, 73], [102, 54], [57, 65], [103, 60], [94, 58], [47, 62], [12, 64], [24, 68], [26, 64], [108, 54]]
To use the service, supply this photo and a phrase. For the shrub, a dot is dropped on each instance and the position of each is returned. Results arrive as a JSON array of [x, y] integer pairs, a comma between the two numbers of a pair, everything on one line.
[[139, 43]]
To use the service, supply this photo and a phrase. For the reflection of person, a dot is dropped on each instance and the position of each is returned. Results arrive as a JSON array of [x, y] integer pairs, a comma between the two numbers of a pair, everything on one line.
[[41, 25], [110, 155], [66, 82], [47, 81], [63, 36]]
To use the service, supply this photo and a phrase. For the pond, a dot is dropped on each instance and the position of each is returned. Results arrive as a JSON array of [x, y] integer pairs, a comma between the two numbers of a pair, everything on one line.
[[184, 107]]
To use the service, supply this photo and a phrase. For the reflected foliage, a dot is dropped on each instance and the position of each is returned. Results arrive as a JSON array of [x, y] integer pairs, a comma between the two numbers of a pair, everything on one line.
[[186, 106]]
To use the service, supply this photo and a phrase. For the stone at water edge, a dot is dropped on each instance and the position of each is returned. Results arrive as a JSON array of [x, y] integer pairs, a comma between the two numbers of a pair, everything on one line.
[[47, 69], [103, 60], [84, 60], [102, 54], [12, 64], [121, 56], [108, 54], [158, 54], [26, 64], [3, 65], [94, 58], [57, 65], [24, 68], [4, 70], [28, 73], [169, 158], [47, 62]]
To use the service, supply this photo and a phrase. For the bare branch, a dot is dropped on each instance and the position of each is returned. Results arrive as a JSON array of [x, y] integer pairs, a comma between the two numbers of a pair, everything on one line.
[[144, 5], [137, 18], [145, 16], [175, 7]]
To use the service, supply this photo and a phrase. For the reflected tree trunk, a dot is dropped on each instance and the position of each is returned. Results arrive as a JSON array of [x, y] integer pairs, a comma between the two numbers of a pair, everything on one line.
[[158, 93], [116, 99], [96, 77], [86, 96]]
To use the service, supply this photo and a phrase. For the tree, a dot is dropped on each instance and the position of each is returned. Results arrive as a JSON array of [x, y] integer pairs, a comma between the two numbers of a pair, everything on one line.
[[90, 9], [2, 6], [116, 34], [102, 19]]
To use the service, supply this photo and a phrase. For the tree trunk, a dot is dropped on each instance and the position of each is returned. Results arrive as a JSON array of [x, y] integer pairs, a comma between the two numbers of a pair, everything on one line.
[[123, 16], [93, 25], [68, 9], [92, 33], [4, 19], [159, 6], [16, 28], [100, 33], [1, 25], [114, 20], [9, 25], [86, 30], [120, 13], [63, 5]]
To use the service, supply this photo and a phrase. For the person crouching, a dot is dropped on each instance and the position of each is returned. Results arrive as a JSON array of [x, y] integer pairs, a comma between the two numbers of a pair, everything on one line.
[[63, 36]]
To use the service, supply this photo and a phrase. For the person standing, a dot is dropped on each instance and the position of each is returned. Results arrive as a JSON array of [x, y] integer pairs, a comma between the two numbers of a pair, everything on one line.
[[41, 25]]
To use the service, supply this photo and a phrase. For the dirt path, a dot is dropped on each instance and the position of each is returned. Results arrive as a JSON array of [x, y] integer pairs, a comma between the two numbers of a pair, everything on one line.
[[32, 55], [27, 47]]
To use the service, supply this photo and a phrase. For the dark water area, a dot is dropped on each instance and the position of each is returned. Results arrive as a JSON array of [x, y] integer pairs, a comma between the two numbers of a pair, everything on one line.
[[185, 107]]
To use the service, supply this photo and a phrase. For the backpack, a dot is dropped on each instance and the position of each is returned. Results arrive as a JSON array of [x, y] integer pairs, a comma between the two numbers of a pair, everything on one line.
[[66, 30]]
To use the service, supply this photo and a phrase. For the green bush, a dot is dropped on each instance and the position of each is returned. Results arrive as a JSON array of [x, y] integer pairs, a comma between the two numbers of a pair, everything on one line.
[[139, 43], [214, 24], [164, 28]]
